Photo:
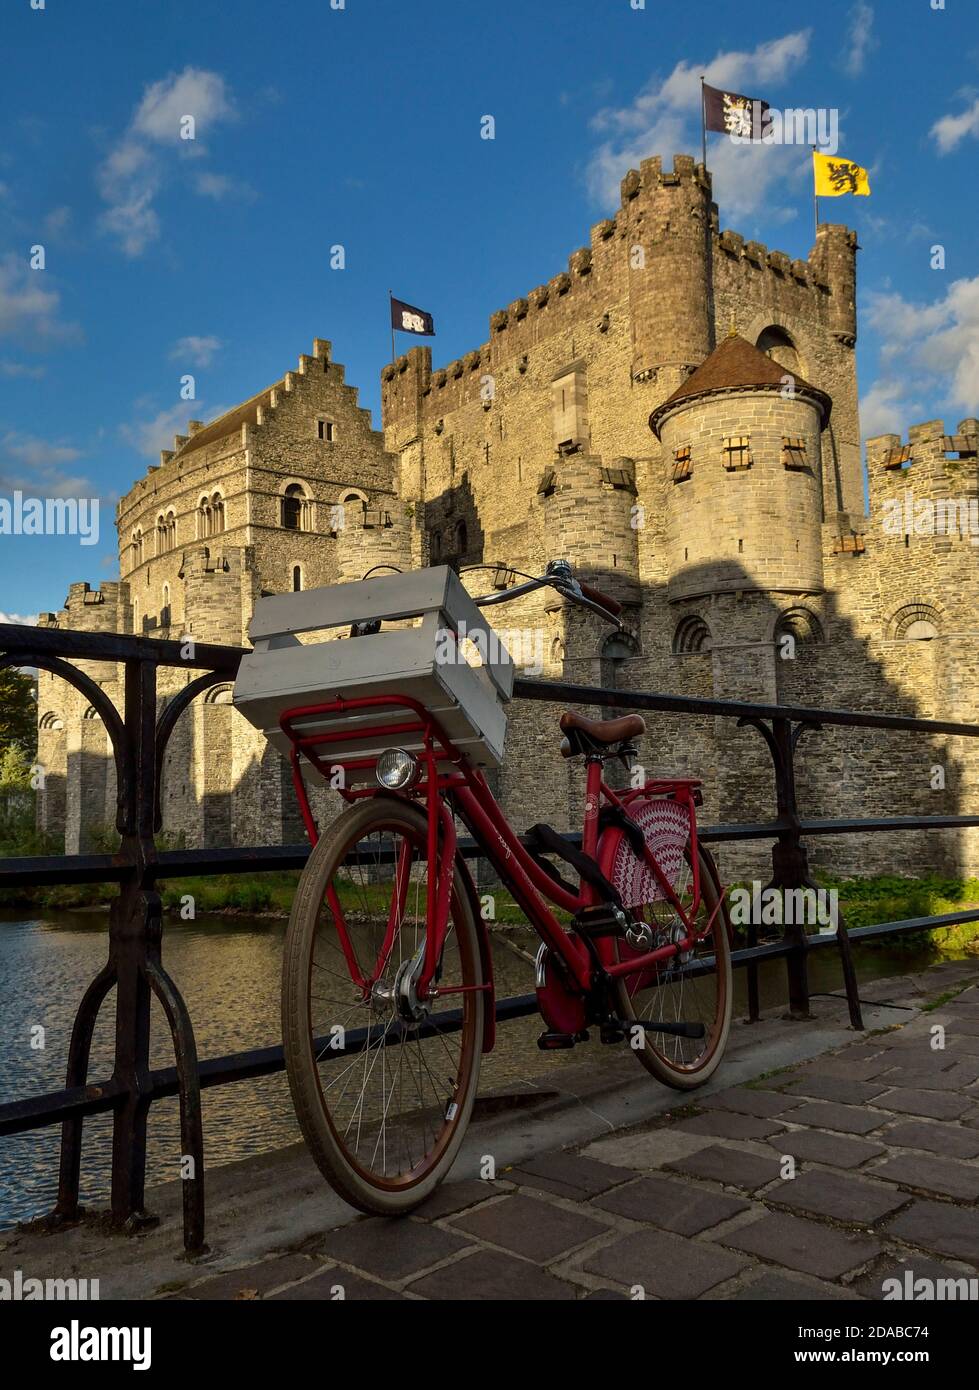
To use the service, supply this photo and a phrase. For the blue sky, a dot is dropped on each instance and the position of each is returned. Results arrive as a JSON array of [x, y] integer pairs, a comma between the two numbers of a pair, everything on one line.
[[360, 126]]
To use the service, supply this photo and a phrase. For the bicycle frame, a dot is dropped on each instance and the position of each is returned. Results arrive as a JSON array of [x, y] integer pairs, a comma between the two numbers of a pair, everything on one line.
[[466, 791]]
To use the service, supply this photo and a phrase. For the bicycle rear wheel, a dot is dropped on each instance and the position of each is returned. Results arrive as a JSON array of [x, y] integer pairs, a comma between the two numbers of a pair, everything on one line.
[[696, 989], [384, 1113]]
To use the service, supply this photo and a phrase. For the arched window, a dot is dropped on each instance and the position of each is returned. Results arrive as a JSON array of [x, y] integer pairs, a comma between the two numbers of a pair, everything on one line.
[[203, 518], [692, 635], [295, 508], [171, 525], [91, 713], [137, 547], [50, 720], [218, 695], [435, 547], [217, 514], [165, 607], [800, 625], [161, 534], [461, 540], [777, 345], [297, 579], [915, 622]]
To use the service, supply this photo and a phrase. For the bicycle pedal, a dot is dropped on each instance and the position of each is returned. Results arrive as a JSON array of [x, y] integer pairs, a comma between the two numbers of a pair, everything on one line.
[[551, 1042]]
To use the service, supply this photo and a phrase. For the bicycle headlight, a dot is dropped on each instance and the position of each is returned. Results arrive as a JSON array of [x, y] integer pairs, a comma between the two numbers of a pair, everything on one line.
[[396, 769]]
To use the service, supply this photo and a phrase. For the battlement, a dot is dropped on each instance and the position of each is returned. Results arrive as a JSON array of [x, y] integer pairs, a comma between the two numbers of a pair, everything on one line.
[[91, 610], [651, 176], [208, 561], [888, 456]]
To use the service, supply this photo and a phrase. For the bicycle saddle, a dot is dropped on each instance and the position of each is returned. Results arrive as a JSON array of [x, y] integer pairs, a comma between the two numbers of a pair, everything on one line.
[[603, 732]]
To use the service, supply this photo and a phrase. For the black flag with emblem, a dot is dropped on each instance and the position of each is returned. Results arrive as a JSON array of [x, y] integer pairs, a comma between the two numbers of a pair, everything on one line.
[[407, 319], [733, 114]]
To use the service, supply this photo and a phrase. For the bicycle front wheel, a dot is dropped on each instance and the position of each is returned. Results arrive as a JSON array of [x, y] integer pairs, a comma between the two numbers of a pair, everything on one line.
[[383, 1100], [695, 989]]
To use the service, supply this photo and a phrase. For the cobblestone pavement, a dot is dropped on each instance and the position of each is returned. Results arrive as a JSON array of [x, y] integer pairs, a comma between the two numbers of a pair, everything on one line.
[[821, 1181]]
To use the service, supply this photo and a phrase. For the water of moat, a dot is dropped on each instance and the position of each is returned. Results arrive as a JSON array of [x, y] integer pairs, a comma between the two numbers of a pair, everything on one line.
[[227, 968]]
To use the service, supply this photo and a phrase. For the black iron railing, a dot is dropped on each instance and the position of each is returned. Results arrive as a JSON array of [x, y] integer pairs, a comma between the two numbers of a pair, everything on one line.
[[134, 967]]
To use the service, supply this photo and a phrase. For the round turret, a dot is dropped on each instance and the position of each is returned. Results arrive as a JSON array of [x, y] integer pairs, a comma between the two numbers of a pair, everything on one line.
[[741, 450]]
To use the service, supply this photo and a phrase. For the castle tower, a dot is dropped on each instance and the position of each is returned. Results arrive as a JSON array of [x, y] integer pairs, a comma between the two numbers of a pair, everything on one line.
[[78, 795], [369, 538], [743, 535], [741, 445], [665, 226]]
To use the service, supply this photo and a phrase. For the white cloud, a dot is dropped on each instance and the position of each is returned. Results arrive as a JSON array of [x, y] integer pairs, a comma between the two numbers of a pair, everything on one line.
[[38, 466], [665, 117], [860, 37], [192, 92], [19, 619], [132, 174], [149, 436], [29, 307], [199, 352], [950, 130], [938, 342], [887, 409], [219, 186]]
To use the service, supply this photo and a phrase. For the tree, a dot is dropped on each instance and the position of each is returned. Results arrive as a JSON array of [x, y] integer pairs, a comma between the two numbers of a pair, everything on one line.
[[18, 711]]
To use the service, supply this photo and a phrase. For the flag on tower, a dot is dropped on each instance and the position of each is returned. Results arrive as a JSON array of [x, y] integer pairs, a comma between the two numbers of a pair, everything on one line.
[[837, 176], [407, 319], [733, 114]]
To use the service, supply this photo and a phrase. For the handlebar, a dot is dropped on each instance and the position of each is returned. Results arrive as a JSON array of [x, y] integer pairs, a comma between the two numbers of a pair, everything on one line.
[[559, 576]]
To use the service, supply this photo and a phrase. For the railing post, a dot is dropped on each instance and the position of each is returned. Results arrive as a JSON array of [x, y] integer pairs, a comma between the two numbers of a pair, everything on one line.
[[790, 866], [135, 931]]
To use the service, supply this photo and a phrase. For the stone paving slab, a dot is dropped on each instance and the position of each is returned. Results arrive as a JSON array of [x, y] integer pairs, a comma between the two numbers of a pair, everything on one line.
[[935, 1105], [947, 1229], [838, 1196], [729, 1124], [927, 1173], [745, 1101], [823, 1146], [730, 1166], [567, 1174], [847, 1119], [832, 1088], [950, 1139], [804, 1245], [391, 1249], [665, 1265], [527, 1226], [489, 1275], [675, 1206]]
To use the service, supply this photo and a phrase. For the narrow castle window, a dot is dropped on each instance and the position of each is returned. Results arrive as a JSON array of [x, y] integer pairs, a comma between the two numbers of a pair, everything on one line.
[[793, 452], [165, 607], [737, 452], [682, 463], [326, 430], [297, 579]]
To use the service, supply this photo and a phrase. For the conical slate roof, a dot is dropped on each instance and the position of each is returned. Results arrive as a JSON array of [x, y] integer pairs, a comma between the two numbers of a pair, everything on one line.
[[737, 365]]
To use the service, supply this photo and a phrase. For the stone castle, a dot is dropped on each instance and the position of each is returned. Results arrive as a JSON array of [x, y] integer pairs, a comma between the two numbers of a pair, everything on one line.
[[676, 414]]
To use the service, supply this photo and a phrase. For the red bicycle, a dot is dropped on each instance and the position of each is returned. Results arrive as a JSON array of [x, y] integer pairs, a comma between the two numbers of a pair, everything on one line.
[[388, 1000]]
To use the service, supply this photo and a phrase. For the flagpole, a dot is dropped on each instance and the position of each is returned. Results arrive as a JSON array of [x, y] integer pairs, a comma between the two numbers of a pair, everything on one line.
[[703, 122], [815, 195], [391, 318]]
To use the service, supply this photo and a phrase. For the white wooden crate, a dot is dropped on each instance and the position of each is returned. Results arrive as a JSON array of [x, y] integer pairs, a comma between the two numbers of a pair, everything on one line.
[[468, 700]]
